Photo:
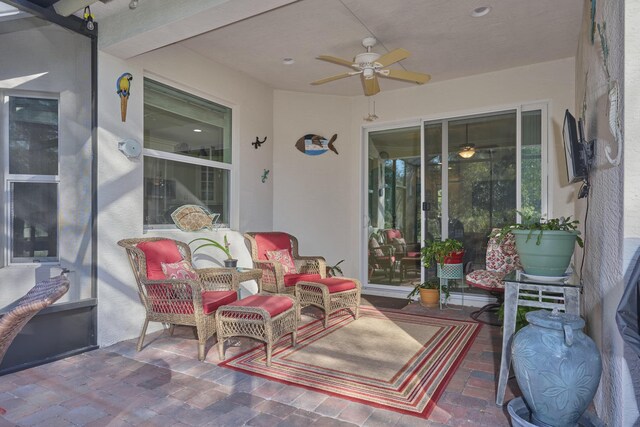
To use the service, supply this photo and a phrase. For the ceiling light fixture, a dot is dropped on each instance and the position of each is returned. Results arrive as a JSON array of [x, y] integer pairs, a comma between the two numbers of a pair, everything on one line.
[[197, 130], [480, 11], [133, 4], [288, 61], [371, 117], [468, 150]]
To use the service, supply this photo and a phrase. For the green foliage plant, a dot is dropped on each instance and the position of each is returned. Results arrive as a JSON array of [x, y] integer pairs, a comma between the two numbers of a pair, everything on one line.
[[335, 270], [438, 250], [540, 225], [224, 247]]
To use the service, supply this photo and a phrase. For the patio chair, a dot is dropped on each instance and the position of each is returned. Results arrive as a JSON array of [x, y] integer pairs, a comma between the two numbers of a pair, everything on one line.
[[276, 254], [42, 295], [174, 293], [381, 257], [394, 237], [501, 259]]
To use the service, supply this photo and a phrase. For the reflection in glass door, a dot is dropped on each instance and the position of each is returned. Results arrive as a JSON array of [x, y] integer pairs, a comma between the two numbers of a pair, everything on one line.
[[394, 206]]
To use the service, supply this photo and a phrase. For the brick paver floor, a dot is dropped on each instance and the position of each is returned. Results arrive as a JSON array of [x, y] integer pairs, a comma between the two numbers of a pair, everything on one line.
[[165, 385]]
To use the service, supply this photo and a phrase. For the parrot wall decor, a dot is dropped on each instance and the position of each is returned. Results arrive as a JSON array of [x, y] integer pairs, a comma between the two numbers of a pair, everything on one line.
[[123, 89]]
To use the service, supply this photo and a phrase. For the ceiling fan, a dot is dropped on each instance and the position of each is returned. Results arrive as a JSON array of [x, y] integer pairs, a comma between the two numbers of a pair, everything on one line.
[[370, 65]]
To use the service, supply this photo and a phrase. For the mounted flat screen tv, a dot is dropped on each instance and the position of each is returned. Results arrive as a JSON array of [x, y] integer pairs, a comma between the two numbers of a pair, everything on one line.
[[574, 148]]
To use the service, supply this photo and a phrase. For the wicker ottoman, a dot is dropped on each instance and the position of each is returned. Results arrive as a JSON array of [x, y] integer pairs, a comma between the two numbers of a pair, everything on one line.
[[330, 294], [263, 317]]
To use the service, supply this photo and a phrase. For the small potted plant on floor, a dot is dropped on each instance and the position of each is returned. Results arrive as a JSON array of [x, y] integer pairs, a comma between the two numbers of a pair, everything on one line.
[[335, 270], [224, 247], [545, 247], [429, 292]]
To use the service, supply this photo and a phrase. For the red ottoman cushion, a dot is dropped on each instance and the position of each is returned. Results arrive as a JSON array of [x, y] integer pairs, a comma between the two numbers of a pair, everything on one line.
[[158, 252], [212, 300], [336, 284], [292, 279], [273, 304]]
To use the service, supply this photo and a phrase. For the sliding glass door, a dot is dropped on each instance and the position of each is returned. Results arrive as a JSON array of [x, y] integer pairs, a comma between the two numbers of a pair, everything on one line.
[[459, 178]]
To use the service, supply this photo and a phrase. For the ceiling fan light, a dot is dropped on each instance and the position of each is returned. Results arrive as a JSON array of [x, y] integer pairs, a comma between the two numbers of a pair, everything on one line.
[[467, 152], [367, 73]]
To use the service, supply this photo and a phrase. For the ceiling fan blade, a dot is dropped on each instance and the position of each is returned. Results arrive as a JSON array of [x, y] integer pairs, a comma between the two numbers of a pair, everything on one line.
[[410, 76], [336, 77], [335, 60], [371, 86], [393, 57]]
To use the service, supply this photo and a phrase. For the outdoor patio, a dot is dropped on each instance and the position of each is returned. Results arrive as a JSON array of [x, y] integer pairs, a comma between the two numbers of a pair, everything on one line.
[[165, 384]]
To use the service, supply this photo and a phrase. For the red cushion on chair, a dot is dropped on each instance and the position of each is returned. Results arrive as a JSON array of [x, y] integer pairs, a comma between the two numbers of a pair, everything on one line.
[[272, 303], [413, 255], [272, 241], [336, 284], [158, 252], [487, 280], [212, 300], [292, 279], [393, 234]]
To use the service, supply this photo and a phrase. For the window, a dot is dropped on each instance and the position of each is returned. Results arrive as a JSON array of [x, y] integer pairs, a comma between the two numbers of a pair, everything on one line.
[[187, 157], [32, 178]]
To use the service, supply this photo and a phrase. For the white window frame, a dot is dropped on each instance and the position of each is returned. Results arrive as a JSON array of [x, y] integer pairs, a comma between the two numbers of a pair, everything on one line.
[[165, 155], [9, 178]]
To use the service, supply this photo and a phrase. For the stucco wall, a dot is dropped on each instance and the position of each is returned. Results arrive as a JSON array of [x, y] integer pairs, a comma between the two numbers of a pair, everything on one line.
[[51, 61], [600, 66], [324, 192], [120, 202]]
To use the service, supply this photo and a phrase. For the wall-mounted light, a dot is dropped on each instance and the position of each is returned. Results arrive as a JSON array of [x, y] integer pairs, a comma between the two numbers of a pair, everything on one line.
[[88, 18]]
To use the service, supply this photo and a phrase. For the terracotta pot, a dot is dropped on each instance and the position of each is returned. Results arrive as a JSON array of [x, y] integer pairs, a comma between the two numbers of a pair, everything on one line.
[[429, 297]]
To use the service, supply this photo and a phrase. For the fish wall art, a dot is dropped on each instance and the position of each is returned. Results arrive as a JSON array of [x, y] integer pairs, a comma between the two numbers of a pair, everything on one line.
[[314, 145]]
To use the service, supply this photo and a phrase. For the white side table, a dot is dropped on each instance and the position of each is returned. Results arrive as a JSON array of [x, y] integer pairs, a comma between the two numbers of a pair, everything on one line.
[[448, 272], [519, 291]]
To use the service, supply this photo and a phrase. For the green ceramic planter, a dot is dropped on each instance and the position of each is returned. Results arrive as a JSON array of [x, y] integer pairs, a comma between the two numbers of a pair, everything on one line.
[[551, 257]]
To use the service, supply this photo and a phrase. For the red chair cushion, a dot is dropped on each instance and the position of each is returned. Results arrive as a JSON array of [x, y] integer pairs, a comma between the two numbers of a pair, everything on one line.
[[158, 252], [163, 300], [272, 303], [413, 255], [336, 284], [212, 300], [292, 279], [487, 280], [272, 241], [393, 234]]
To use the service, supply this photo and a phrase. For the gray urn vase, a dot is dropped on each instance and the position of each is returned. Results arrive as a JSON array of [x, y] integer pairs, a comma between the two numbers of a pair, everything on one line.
[[557, 366]]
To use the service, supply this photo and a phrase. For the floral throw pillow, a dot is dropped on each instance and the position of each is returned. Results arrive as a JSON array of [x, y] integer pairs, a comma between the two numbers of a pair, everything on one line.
[[179, 270], [284, 258]]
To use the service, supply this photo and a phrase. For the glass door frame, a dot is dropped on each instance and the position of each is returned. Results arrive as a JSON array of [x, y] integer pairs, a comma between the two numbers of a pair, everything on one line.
[[546, 196]]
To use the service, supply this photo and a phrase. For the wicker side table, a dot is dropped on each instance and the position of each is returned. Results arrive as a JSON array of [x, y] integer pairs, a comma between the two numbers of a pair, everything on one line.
[[330, 294], [265, 317]]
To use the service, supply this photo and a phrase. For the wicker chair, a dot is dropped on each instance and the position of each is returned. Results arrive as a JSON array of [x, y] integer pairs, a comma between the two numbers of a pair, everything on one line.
[[274, 279], [181, 301], [42, 295]]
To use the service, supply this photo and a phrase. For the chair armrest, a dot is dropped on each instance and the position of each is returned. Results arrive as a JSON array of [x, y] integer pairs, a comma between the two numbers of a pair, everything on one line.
[[272, 276], [311, 265], [388, 250], [215, 279], [171, 295]]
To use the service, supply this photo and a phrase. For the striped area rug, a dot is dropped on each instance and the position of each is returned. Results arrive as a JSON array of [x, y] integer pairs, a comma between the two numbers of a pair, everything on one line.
[[386, 358]]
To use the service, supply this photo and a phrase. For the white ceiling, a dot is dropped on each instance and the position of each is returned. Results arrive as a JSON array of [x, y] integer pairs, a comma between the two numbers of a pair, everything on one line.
[[445, 41]]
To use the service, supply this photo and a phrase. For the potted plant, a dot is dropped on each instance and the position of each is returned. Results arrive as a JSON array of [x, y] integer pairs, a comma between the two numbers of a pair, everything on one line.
[[429, 292], [545, 247], [224, 247], [335, 270], [449, 251]]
